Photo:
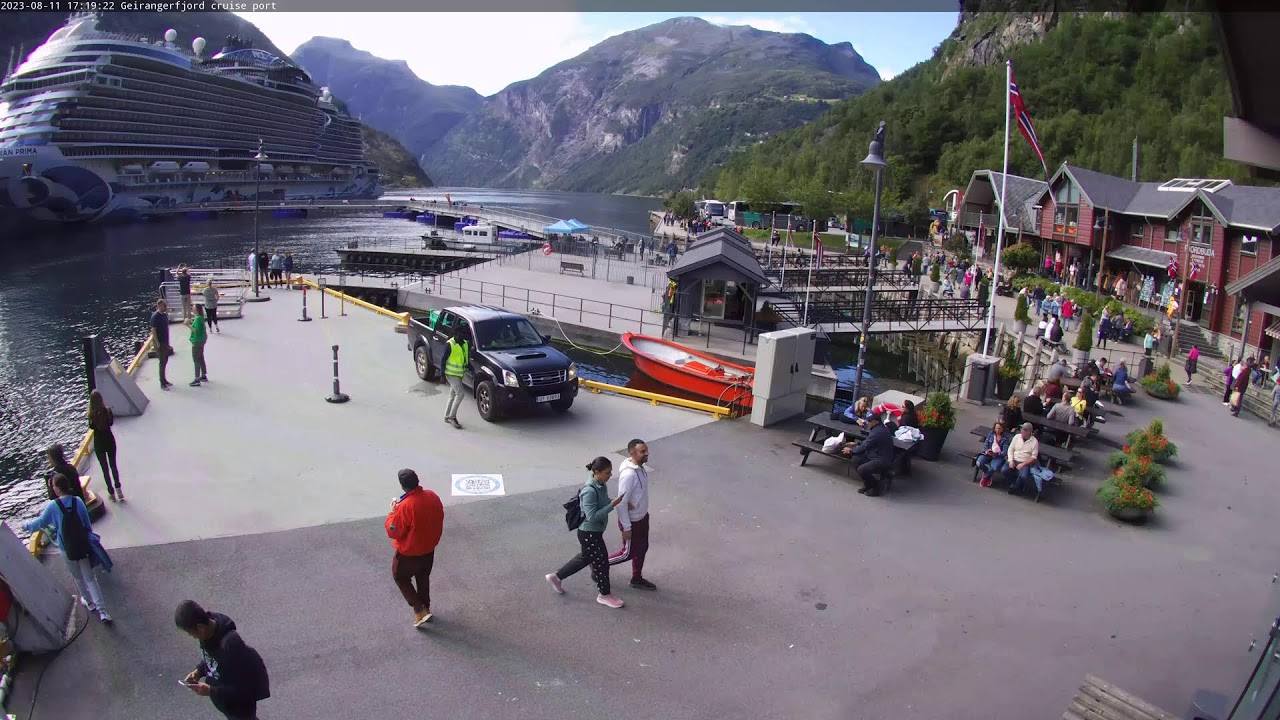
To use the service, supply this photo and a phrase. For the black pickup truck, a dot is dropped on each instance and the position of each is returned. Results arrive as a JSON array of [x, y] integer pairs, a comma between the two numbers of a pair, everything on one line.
[[512, 364]]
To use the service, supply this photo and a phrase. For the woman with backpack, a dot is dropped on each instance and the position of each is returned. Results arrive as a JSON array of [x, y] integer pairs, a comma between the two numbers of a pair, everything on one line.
[[104, 442], [596, 506], [80, 546]]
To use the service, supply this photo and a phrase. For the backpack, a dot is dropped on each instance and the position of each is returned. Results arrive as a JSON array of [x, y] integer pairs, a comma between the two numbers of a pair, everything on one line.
[[573, 516], [263, 689], [75, 536]]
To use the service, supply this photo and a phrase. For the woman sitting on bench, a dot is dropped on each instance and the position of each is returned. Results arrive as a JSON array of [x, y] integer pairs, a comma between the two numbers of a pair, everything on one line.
[[992, 460]]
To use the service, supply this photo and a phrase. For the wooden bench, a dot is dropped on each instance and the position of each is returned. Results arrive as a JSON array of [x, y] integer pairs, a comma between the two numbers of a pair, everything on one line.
[[1050, 456], [573, 267], [902, 452], [1100, 700]]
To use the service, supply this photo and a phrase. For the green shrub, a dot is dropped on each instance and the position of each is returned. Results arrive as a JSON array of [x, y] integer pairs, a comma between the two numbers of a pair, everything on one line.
[[1010, 368], [915, 266], [1020, 312], [1084, 341], [1160, 384], [1021, 257], [935, 272], [1116, 495], [938, 413]]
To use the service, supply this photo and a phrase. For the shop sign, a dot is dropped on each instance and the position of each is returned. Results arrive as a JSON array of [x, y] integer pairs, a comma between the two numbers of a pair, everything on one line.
[[1202, 251]]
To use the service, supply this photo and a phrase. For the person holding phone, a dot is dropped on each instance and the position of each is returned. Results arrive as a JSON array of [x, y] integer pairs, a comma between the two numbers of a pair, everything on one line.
[[415, 524], [596, 506], [231, 674], [991, 461]]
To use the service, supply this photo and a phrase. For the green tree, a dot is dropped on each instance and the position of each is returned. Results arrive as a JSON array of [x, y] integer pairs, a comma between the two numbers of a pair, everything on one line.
[[681, 204], [761, 184], [813, 195], [1021, 257]]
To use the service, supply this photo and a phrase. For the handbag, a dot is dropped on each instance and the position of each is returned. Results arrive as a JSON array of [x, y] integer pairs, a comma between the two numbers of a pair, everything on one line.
[[1235, 397], [833, 443]]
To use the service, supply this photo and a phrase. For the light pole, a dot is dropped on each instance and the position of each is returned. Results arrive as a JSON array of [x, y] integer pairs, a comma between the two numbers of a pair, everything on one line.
[[257, 191], [875, 161]]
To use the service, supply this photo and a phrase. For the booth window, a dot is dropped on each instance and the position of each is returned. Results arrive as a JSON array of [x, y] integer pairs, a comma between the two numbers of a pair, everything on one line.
[[1249, 245]]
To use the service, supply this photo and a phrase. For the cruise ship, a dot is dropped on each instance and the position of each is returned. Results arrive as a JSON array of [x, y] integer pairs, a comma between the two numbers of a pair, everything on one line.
[[103, 126]]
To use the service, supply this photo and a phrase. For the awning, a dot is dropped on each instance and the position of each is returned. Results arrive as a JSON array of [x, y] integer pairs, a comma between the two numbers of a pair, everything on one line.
[[1141, 256], [1273, 330]]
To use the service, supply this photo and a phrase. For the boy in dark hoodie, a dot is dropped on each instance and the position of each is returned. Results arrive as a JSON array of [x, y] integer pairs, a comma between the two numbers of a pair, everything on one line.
[[230, 673]]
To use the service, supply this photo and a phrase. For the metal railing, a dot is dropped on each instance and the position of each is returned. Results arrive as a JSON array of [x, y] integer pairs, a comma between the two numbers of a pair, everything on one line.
[[914, 313], [855, 277]]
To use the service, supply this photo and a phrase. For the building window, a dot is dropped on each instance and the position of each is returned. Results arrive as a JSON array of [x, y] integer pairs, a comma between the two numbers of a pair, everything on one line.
[[1201, 232], [1138, 228], [1249, 245], [1173, 233], [1237, 322], [1072, 213], [1039, 211]]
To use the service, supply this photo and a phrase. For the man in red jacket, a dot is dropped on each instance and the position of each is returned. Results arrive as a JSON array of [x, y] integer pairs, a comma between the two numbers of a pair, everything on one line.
[[414, 525]]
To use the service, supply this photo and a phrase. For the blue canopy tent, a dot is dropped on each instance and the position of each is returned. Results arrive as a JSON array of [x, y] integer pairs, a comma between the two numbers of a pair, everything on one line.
[[578, 227], [562, 227]]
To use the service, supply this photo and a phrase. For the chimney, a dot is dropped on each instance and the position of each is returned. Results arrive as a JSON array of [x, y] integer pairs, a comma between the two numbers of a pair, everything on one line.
[[1135, 159]]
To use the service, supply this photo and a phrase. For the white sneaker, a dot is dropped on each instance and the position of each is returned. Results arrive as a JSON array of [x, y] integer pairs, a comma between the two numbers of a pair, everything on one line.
[[555, 582], [86, 603], [610, 600], [104, 617]]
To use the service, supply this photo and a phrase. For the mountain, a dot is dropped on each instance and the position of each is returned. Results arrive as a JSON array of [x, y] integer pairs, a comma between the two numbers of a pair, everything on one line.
[[385, 94], [398, 166], [27, 30], [646, 111], [1091, 83]]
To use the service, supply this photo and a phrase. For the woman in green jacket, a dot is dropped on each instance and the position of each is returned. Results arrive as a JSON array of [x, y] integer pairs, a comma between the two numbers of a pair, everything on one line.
[[596, 506]]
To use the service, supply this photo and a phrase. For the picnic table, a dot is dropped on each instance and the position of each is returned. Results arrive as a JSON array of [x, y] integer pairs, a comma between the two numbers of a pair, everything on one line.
[[1053, 457], [1072, 432], [824, 426]]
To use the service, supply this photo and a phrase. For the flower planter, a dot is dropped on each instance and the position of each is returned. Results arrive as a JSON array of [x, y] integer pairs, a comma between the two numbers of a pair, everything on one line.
[[1005, 387], [931, 445], [1130, 514], [1079, 357], [935, 287], [1159, 394], [1019, 328]]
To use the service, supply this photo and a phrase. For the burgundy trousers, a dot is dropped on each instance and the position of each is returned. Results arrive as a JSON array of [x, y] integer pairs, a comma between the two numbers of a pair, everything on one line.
[[407, 568], [635, 548]]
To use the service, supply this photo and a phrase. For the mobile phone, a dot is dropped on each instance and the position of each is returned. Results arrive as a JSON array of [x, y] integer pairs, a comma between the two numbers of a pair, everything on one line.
[[186, 684]]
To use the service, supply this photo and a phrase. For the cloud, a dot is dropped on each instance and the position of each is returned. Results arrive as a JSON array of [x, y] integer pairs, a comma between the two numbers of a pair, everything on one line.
[[886, 73], [484, 51], [780, 23]]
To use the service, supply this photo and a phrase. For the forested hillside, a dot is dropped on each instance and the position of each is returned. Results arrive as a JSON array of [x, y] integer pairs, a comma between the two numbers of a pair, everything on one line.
[[1091, 83]]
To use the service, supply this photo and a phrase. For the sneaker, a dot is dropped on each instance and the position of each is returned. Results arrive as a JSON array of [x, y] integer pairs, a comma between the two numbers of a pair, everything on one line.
[[421, 618], [610, 600], [204, 378], [120, 494], [104, 617], [85, 603], [555, 582], [195, 383], [166, 386], [113, 496], [642, 584]]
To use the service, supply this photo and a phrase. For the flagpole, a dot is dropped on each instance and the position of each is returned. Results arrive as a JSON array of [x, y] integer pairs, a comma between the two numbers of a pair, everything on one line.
[[1004, 182], [808, 285]]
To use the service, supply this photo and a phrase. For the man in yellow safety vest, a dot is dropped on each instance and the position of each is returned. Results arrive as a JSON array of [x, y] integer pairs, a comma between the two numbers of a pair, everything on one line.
[[457, 355]]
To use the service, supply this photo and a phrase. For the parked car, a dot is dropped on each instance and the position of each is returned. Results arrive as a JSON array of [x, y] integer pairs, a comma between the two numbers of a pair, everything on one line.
[[512, 364]]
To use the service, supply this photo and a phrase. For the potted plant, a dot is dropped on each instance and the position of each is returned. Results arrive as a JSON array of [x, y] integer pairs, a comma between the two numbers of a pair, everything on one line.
[[1127, 501], [984, 292], [1151, 442], [937, 418], [768, 318], [1160, 385], [915, 266], [1084, 341], [1009, 373], [1138, 470], [935, 277], [1021, 316]]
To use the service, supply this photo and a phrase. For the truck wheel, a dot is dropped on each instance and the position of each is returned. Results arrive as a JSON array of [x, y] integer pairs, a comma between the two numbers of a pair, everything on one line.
[[562, 405], [486, 403], [755, 226], [422, 363]]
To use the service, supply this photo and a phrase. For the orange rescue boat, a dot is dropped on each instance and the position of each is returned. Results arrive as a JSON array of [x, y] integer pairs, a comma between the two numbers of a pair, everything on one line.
[[721, 382]]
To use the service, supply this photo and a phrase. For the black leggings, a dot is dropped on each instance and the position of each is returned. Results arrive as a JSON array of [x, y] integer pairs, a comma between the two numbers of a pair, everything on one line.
[[211, 315], [594, 554], [107, 461]]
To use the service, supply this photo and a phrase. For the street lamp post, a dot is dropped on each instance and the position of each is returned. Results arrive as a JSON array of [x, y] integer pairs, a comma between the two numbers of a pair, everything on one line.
[[875, 161], [257, 191]]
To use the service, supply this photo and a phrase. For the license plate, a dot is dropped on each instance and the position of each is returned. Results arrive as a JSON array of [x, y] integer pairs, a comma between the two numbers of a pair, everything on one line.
[[547, 398]]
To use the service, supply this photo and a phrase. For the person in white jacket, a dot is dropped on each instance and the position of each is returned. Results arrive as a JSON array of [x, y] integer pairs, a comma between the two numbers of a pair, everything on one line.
[[633, 515]]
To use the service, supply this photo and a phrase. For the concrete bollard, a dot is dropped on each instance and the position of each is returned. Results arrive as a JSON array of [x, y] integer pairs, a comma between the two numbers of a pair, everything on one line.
[[337, 396], [304, 317]]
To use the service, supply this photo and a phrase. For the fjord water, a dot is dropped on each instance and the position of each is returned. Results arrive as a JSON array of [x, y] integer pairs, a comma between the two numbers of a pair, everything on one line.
[[58, 287]]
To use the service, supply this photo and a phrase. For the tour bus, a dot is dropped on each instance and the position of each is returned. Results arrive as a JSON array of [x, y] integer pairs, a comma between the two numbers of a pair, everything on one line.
[[764, 215]]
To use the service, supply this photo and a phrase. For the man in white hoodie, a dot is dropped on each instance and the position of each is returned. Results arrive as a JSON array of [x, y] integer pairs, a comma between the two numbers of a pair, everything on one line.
[[633, 515]]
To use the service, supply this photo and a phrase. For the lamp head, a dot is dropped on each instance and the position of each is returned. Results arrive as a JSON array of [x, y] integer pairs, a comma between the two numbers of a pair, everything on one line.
[[875, 156]]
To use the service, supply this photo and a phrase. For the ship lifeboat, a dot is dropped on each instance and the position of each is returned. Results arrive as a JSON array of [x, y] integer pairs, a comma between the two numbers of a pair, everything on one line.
[[132, 170], [721, 382], [304, 169], [265, 168], [196, 167], [285, 169], [163, 166]]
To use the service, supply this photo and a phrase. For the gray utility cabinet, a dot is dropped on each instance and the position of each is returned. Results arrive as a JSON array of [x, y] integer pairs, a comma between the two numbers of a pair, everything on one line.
[[784, 364]]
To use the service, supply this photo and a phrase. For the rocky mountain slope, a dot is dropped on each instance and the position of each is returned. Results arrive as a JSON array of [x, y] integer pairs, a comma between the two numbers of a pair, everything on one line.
[[24, 31], [648, 110], [385, 94], [398, 166]]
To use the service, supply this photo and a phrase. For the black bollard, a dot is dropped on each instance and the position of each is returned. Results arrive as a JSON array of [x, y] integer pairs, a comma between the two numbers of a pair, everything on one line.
[[337, 396], [304, 317]]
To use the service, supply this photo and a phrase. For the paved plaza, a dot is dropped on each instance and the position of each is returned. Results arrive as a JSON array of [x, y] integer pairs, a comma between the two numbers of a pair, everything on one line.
[[783, 593]]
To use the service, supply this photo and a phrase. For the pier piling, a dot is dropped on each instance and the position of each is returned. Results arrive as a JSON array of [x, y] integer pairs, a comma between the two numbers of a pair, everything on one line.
[[337, 396]]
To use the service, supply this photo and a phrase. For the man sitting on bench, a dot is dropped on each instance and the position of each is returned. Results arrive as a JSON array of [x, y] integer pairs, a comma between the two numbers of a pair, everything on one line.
[[877, 448], [1024, 453]]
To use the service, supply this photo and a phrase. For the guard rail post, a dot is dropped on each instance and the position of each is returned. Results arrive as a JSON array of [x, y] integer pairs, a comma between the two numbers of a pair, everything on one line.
[[304, 317], [337, 396]]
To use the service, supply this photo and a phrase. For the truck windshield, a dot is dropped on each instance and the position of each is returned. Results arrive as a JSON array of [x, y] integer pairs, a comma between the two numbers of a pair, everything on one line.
[[507, 334]]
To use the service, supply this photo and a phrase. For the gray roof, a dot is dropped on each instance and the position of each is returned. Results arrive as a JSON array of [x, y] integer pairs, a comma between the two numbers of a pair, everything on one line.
[[1245, 206], [1141, 255], [1023, 193], [721, 245]]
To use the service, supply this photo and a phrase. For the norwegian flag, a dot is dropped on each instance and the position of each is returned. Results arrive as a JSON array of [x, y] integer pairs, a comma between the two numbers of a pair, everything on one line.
[[1173, 268], [1024, 120], [1195, 270]]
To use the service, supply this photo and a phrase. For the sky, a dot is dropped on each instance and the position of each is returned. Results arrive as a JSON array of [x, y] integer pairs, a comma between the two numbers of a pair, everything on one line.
[[519, 46]]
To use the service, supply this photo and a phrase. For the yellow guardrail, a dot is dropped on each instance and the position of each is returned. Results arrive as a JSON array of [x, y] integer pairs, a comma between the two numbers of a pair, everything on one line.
[[655, 398], [403, 317]]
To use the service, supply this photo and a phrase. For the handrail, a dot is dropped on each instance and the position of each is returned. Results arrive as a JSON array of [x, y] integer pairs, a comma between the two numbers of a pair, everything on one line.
[[655, 398], [402, 317]]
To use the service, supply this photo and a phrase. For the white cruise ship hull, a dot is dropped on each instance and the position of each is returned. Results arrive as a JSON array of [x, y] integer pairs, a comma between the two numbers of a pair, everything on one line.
[[40, 186]]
